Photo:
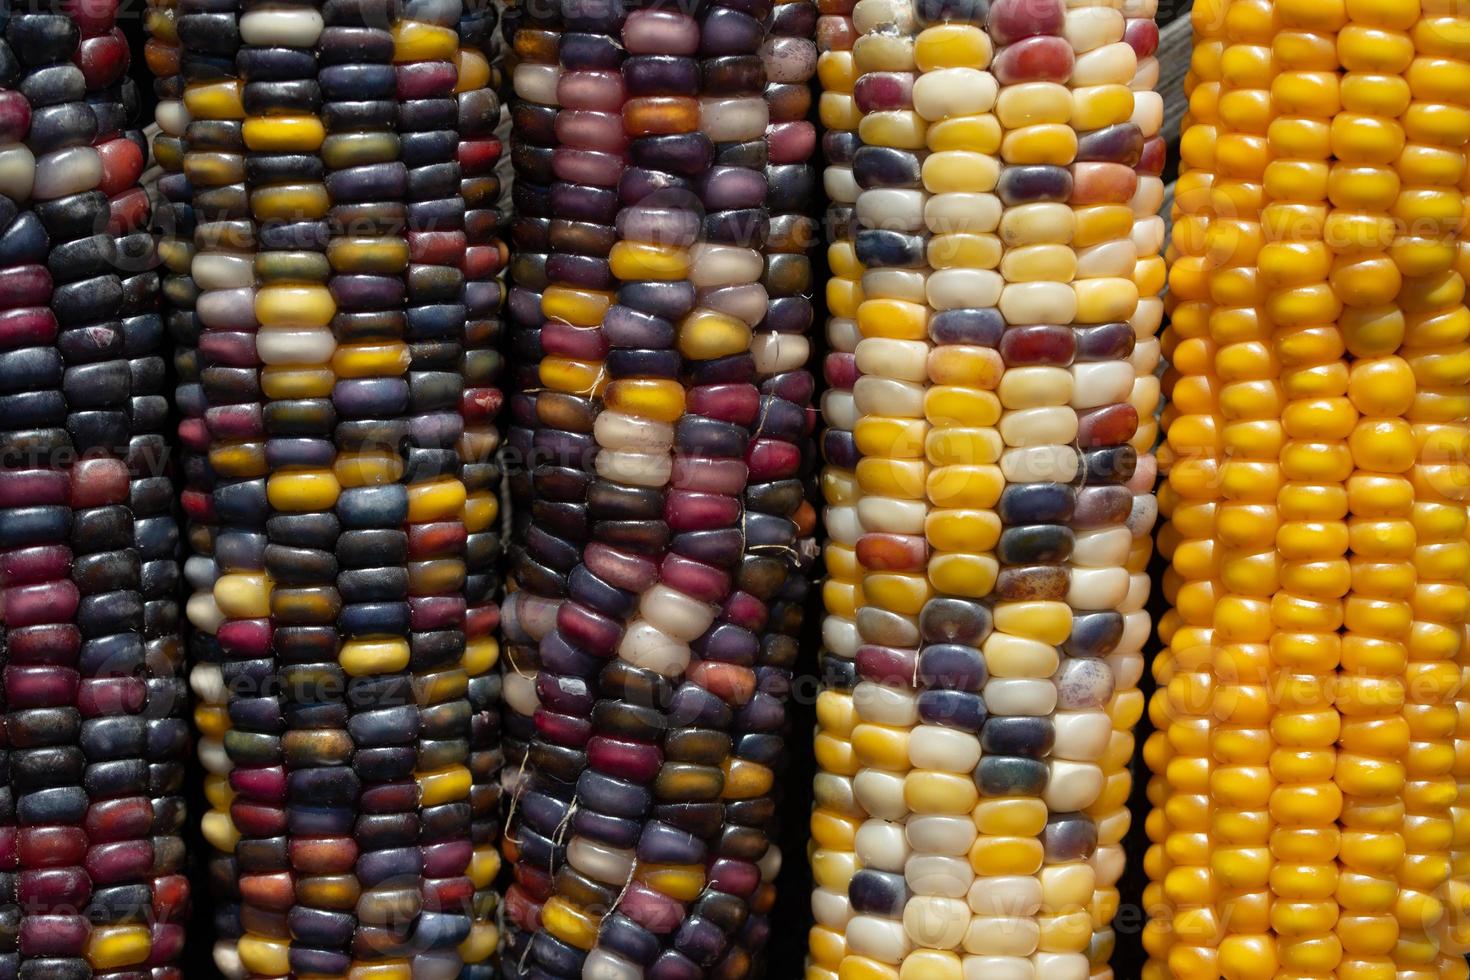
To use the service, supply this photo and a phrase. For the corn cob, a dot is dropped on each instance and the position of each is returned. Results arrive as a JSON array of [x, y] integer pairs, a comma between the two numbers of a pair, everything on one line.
[[91, 883], [980, 851], [650, 568], [1338, 534], [347, 294], [634, 516]]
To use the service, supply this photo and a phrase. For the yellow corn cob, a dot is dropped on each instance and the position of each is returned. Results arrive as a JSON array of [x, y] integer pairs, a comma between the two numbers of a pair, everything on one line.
[[1322, 265]]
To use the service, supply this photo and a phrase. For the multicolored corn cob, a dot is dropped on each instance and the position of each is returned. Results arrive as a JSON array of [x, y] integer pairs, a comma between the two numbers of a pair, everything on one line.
[[340, 161], [660, 306], [1002, 362]]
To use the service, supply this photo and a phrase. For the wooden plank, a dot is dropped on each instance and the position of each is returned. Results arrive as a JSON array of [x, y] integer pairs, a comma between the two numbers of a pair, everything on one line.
[[1176, 42]]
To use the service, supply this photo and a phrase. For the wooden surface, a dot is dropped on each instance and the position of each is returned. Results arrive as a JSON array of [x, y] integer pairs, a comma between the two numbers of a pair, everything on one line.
[[1174, 48]]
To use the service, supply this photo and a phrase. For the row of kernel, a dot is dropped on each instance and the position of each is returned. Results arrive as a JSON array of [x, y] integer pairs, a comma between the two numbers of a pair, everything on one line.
[[52, 529], [1453, 926], [631, 438], [1360, 292], [1436, 131], [128, 567], [1250, 476], [1181, 929], [285, 763], [1114, 392], [43, 721], [890, 351], [959, 868], [1434, 347], [349, 916], [581, 162], [437, 79], [100, 263], [234, 386], [836, 813], [1310, 529], [1038, 756], [722, 465], [483, 263], [173, 224], [1110, 810]]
